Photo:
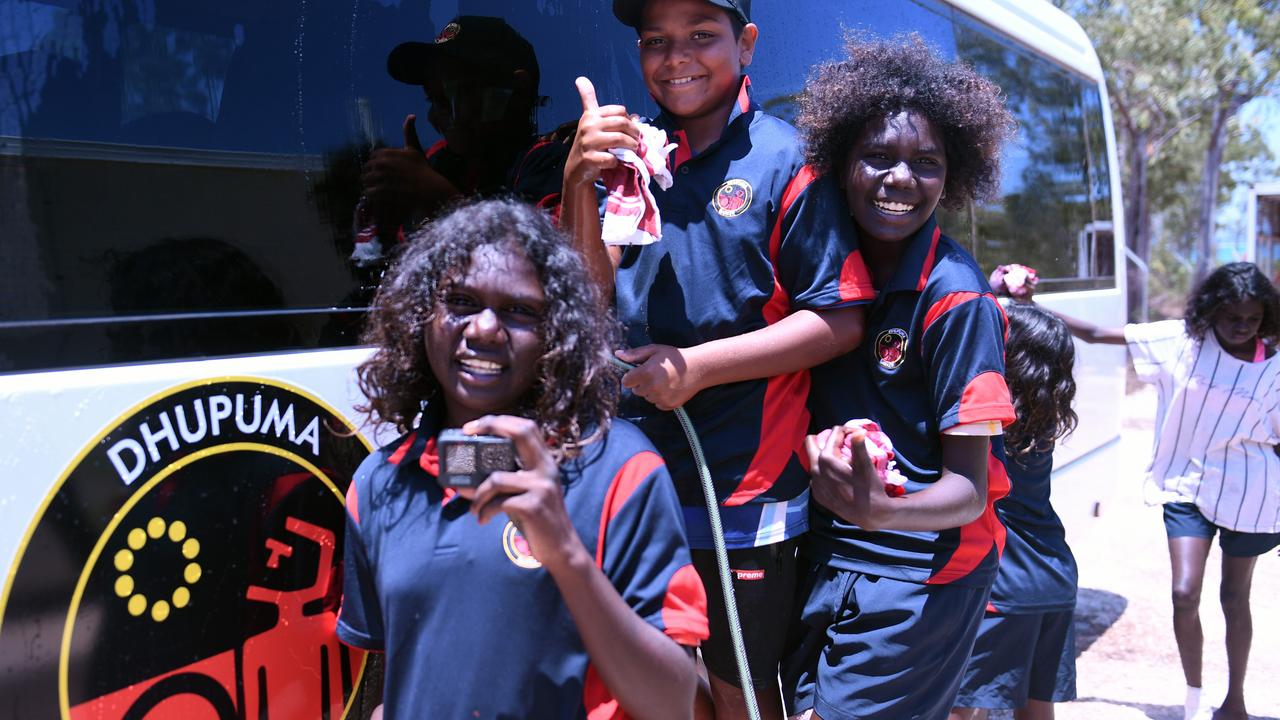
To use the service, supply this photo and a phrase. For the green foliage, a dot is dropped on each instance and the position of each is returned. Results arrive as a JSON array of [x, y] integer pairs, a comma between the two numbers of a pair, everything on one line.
[[1178, 72]]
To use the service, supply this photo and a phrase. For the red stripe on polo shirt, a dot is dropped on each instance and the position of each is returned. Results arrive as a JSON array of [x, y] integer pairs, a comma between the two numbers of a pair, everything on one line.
[[949, 302], [684, 608], [744, 97], [855, 279], [683, 151], [599, 703], [353, 503], [403, 450], [784, 418], [977, 538], [430, 459], [628, 478], [986, 398], [928, 260], [784, 422], [436, 147]]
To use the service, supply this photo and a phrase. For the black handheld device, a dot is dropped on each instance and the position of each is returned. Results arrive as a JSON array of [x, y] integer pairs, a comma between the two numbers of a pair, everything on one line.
[[466, 460]]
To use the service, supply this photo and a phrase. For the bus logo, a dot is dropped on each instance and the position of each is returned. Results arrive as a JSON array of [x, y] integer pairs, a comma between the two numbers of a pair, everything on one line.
[[190, 567]]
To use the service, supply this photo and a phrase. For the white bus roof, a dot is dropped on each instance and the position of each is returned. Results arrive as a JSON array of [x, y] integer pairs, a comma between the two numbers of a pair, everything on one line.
[[1040, 26]]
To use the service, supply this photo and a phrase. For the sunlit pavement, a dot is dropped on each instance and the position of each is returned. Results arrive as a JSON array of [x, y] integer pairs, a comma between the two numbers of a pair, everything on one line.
[[1128, 663]]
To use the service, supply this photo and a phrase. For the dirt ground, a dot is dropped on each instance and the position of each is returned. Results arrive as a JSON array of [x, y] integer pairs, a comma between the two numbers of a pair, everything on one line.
[[1127, 661]]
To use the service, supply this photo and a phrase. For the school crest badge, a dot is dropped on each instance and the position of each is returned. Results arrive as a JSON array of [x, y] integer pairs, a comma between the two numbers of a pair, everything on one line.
[[448, 32], [187, 565], [517, 548], [891, 348], [732, 198]]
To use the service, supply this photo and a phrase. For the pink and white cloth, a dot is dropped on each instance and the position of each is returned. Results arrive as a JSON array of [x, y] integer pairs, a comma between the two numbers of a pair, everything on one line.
[[631, 213], [879, 450]]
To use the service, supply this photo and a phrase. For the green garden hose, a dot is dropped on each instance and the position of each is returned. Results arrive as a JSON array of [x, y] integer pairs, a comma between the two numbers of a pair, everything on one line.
[[722, 556]]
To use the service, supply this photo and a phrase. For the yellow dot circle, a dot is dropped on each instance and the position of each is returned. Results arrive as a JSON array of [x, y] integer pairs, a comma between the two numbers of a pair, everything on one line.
[[124, 560], [181, 597], [137, 538], [192, 572], [137, 605], [191, 548], [160, 611], [124, 586], [155, 528], [177, 531]]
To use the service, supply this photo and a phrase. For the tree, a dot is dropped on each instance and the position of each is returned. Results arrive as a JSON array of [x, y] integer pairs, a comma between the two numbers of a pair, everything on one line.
[[1238, 59], [1177, 72]]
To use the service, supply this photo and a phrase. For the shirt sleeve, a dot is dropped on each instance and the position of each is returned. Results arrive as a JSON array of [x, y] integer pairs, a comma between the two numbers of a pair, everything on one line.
[[643, 551], [814, 246], [963, 348], [360, 617], [1155, 347]]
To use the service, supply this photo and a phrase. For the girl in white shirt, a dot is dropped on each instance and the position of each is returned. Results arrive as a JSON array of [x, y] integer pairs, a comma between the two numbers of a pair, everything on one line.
[[1215, 465]]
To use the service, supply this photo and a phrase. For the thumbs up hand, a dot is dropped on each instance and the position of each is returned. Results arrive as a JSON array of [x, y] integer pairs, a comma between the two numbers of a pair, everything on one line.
[[399, 182], [599, 130]]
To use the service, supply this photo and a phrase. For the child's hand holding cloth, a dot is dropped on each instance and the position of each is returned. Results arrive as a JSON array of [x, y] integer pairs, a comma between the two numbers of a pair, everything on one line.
[[854, 474], [631, 213]]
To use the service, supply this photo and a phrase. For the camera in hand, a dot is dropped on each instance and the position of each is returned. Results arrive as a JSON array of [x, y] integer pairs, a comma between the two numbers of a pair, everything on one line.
[[466, 460]]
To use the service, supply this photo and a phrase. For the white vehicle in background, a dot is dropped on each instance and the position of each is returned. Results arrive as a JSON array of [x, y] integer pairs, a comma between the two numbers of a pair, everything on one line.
[[179, 317]]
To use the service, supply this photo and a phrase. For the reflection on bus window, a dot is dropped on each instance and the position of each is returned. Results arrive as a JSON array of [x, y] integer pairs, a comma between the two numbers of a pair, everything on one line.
[[1053, 199]]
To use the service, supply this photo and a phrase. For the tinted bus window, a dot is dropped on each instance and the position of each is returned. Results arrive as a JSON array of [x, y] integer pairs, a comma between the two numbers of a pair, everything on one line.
[[181, 179], [1054, 213]]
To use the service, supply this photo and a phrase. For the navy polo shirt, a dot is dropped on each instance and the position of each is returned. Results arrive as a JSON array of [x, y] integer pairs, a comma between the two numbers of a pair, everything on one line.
[[471, 623], [932, 359], [1037, 570], [750, 234]]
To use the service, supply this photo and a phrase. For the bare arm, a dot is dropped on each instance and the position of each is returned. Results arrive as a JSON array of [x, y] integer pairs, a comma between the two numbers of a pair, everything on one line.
[[855, 492], [1086, 331], [599, 129], [649, 673], [669, 376]]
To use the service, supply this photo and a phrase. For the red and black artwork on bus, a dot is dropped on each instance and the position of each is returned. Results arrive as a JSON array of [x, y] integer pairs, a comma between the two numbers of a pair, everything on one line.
[[188, 566]]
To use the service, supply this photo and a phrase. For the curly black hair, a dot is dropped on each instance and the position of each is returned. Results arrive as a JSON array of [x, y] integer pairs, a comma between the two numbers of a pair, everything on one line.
[[1233, 283], [884, 77], [1038, 357], [576, 389]]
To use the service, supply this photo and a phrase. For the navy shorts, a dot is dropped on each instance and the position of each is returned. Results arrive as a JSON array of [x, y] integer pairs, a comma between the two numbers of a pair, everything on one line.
[[875, 648], [1021, 657], [1186, 520], [764, 583]]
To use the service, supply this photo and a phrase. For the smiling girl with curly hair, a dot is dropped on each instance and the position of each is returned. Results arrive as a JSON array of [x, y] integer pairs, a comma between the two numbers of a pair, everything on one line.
[[895, 586], [560, 588]]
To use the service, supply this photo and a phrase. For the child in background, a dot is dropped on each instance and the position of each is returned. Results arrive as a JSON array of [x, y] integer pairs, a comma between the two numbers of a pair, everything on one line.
[[893, 588], [1025, 656], [1214, 467], [561, 590], [754, 281]]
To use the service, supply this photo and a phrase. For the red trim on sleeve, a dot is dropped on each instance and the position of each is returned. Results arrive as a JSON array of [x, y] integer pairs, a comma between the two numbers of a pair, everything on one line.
[[684, 608], [353, 502], [403, 450], [436, 147], [599, 703], [949, 302], [928, 260], [629, 477], [744, 97], [524, 160], [977, 538], [991, 608], [783, 424], [986, 398], [855, 279]]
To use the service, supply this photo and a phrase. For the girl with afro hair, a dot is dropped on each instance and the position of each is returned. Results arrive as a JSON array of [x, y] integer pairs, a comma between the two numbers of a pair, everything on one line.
[[894, 586]]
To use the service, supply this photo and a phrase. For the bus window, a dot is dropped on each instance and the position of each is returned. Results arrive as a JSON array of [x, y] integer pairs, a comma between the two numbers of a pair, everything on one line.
[[1055, 188]]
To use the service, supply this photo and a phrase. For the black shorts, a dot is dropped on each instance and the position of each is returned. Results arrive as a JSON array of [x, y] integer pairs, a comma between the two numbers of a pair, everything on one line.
[[1186, 520], [764, 581]]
